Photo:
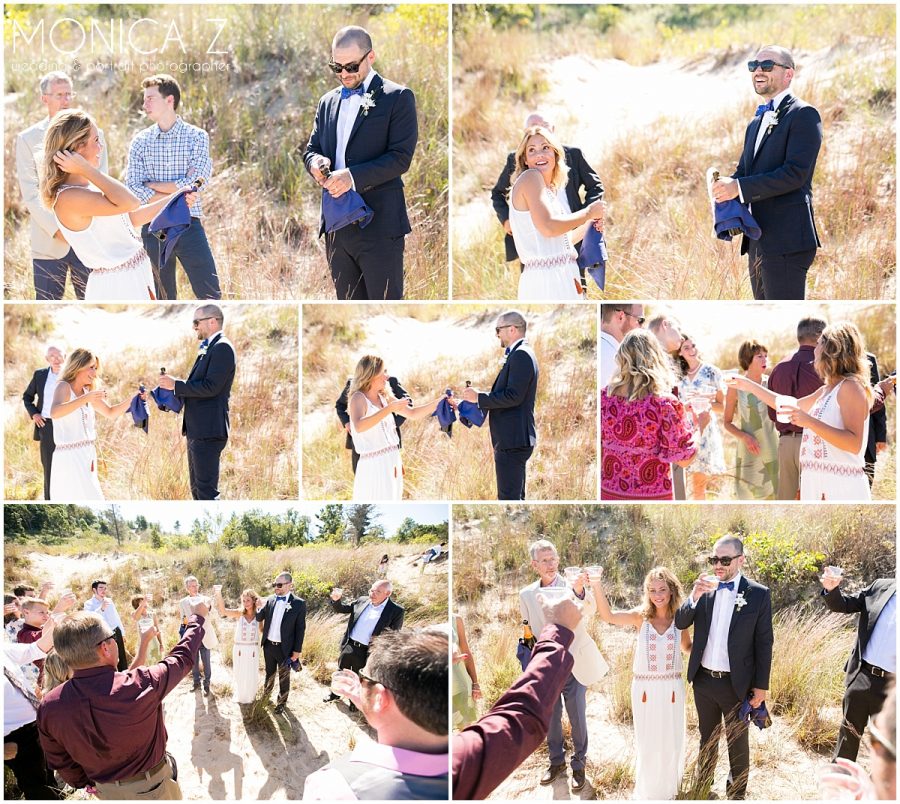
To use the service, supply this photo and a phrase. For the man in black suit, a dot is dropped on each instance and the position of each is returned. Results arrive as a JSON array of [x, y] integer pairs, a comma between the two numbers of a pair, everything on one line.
[[510, 407], [731, 658], [205, 394], [363, 139], [370, 615], [877, 421], [774, 176], [284, 623], [38, 399], [873, 663], [340, 408], [581, 177]]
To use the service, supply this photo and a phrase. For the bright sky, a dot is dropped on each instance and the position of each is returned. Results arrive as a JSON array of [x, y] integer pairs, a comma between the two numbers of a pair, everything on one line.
[[166, 513]]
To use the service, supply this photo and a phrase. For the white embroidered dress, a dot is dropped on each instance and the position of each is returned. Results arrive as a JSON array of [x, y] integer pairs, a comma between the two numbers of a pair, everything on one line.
[[827, 472], [73, 472], [379, 473], [657, 705], [549, 267], [245, 660]]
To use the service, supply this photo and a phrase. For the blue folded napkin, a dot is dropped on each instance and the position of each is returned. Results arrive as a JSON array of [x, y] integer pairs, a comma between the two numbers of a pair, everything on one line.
[[294, 665], [731, 215], [170, 223], [470, 413], [445, 415], [593, 255], [344, 210], [759, 715], [139, 412], [166, 400]]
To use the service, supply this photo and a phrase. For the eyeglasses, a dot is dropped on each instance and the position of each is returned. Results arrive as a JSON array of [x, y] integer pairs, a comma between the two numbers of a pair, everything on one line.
[[63, 95], [725, 561], [352, 67], [639, 318], [105, 639], [766, 65], [505, 326], [198, 320]]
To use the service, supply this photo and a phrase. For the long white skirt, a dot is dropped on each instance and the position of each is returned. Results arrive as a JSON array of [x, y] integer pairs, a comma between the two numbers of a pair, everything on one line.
[[134, 283], [658, 737], [818, 484], [557, 283], [73, 474], [245, 669], [379, 477]]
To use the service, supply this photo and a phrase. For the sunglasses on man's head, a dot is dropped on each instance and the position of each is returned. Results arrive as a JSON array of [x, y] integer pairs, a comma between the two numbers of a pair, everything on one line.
[[766, 65], [725, 561], [352, 67]]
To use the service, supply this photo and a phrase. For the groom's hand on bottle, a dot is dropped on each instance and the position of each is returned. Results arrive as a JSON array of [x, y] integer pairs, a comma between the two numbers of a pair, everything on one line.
[[167, 382], [318, 166], [725, 189], [470, 395], [338, 182]]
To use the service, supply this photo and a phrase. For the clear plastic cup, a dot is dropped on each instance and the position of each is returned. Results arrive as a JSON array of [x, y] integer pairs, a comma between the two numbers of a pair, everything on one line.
[[217, 587], [337, 593], [572, 573], [595, 572], [699, 404], [781, 400], [346, 684], [837, 783], [711, 581], [833, 572], [145, 624]]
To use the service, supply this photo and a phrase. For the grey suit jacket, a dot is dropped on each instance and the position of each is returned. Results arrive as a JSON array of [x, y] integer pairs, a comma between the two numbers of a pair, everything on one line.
[[29, 149]]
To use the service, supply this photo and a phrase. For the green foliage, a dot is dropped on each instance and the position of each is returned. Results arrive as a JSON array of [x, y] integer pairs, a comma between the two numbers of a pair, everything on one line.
[[779, 562], [412, 531], [48, 524], [331, 524], [256, 528]]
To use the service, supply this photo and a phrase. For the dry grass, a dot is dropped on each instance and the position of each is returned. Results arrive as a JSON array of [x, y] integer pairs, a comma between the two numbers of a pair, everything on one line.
[[261, 207], [260, 461], [658, 218], [564, 339]]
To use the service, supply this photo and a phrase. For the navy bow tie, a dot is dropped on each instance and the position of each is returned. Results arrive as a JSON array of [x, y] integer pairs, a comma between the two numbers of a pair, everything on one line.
[[203, 344], [346, 93], [763, 108], [279, 597], [507, 351], [729, 585]]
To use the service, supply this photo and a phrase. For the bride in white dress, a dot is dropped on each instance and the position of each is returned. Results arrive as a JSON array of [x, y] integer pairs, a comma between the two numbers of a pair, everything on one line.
[[543, 233], [657, 686], [73, 473], [246, 648], [379, 473], [96, 214]]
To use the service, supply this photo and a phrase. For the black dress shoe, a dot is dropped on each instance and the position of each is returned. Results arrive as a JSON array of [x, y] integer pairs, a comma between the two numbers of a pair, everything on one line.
[[353, 707], [331, 697], [195, 687], [206, 690], [552, 772], [279, 708], [577, 779]]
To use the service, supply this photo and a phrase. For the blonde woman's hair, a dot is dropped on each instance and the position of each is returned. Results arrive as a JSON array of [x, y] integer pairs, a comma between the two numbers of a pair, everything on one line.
[[368, 368], [56, 671], [676, 593], [843, 355], [68, 131], [560, 169], [78, 360], [642, 368], [250, 593]]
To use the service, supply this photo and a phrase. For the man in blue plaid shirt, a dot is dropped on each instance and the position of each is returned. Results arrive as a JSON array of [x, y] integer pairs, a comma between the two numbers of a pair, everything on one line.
[[164, 158]]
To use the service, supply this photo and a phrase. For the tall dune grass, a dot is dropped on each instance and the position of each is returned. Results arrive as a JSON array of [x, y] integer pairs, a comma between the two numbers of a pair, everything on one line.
[[261, 207]]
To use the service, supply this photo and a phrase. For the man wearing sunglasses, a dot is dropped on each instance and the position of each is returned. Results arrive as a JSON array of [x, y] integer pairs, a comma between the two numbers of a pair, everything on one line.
[[363, 139], [774, 176], [873, 664], [616, 321], [284, 625], [205, 394], [731, 659], [510, 406]]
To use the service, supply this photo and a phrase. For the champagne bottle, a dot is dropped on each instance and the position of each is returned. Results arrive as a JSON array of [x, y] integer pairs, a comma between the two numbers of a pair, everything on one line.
[[528, 639]]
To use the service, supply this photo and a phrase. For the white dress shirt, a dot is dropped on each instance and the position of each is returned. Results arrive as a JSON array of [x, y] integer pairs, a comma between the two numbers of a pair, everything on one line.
[[49, 389], [109, 614], [715, 654], [608, 348], [275, 622], [365, 625], [17, 711], [881, 649], [348, 111]]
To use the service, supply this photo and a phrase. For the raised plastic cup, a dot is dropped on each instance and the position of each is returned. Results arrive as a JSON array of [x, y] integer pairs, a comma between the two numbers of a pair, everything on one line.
[[572, 573], [595, 572], [781, 400], [346, 684]]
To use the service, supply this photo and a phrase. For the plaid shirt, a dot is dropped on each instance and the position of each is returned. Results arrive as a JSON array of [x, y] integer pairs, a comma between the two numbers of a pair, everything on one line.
[[179, 155]]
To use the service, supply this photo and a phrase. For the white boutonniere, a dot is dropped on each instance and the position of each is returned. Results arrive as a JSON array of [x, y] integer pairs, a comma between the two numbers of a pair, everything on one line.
[[739, 601], [770, 120], [503, 360], [287, 606], [368, 102], [201, 352]]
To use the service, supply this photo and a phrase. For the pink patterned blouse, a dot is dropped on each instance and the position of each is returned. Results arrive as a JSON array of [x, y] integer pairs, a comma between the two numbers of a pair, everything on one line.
[[639, 441]]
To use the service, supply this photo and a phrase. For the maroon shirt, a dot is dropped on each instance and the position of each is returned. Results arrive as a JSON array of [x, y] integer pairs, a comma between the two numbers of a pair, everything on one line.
[[106, 726], [794, 377], [486, 752], [28, 634]]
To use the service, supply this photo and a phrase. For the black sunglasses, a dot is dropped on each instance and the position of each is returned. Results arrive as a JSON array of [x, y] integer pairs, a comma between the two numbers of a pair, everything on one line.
[[198, 320], [279, 585], [725, 561], [505, 326], [105, 639], [370, 680], [766, 65], [352, 67]]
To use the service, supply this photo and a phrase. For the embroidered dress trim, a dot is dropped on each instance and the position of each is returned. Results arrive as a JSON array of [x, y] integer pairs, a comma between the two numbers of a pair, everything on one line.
[[555, 261], [128, 265], [835, 468], [75, 445], [385, 451], [656, 676]]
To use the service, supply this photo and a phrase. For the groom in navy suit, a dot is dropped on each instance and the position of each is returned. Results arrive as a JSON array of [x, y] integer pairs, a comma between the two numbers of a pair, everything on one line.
[[205, 394], [510, 407], [363, 139], [774, 176], [283, 616], [731, 658]]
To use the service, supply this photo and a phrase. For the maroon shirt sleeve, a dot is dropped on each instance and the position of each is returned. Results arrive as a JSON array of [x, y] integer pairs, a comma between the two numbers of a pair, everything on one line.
[[486, 752]]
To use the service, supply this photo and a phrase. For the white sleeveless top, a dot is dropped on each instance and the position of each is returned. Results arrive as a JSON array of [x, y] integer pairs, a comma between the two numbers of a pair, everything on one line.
[[533, 247], [109, 242], [76, 428], [657, 656], [381, 436]]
